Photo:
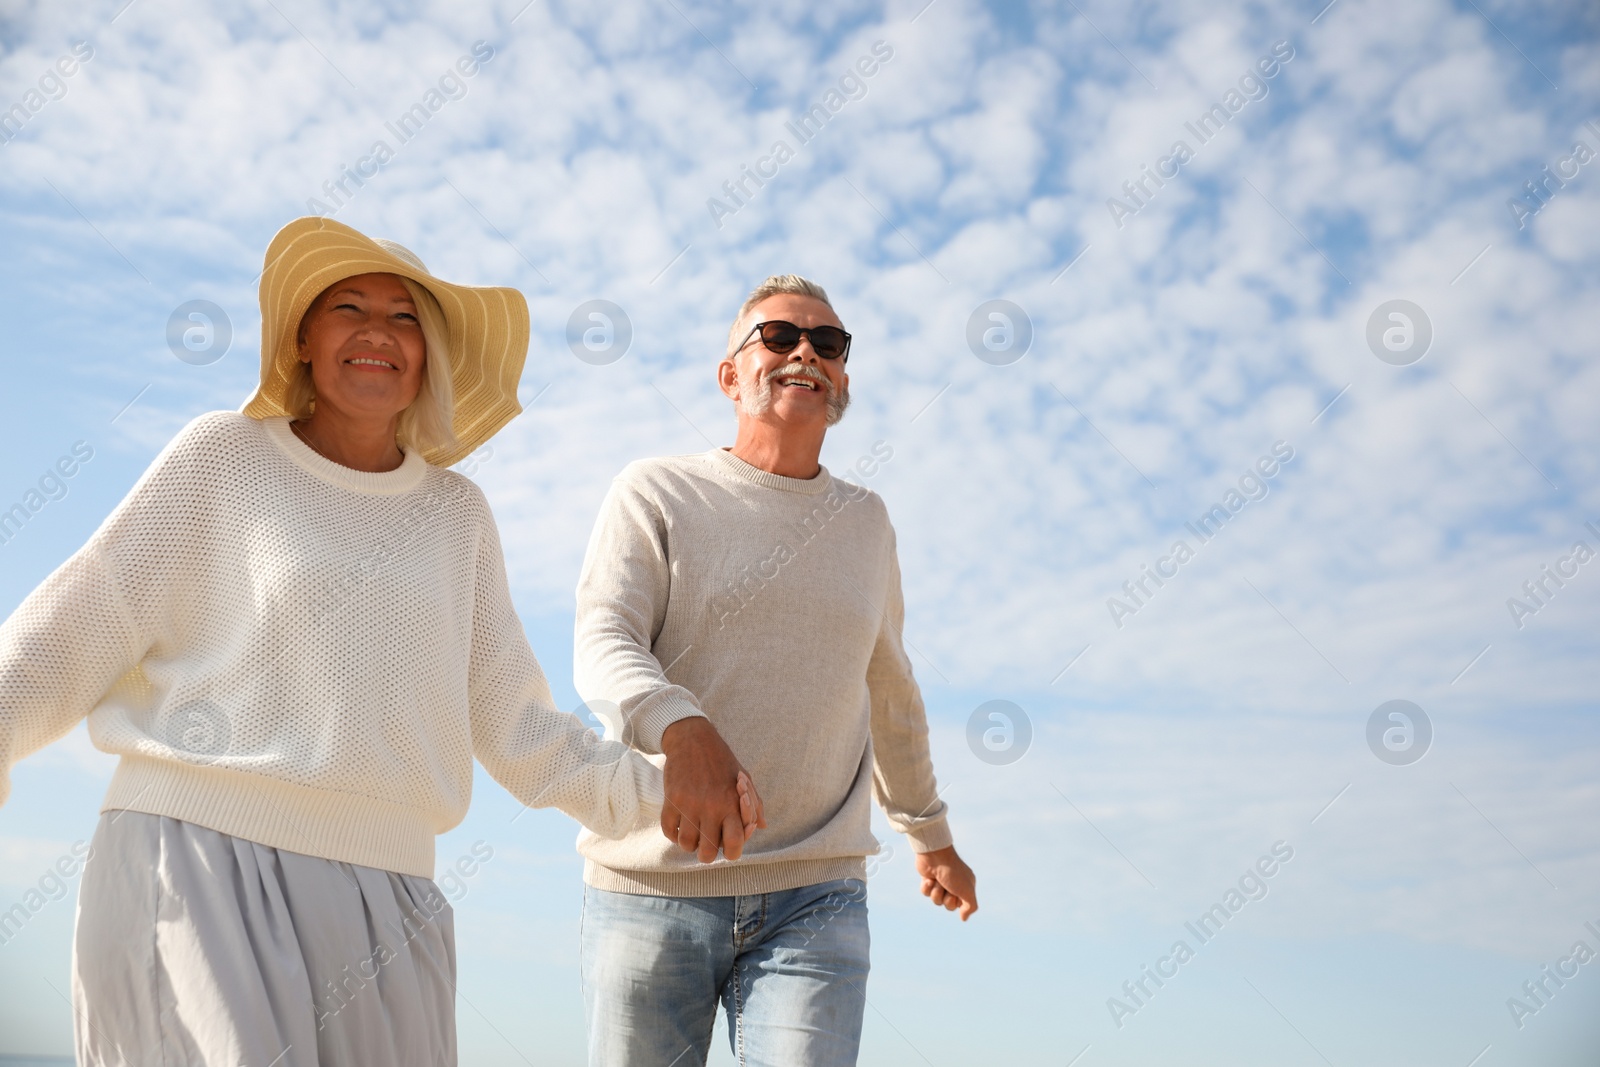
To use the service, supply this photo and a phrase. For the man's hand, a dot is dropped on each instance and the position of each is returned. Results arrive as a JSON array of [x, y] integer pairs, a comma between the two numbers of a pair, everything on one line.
[[948, 881], [711, 802]]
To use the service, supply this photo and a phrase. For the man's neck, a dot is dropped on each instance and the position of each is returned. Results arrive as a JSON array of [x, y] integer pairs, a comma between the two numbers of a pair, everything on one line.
[[784, 452]]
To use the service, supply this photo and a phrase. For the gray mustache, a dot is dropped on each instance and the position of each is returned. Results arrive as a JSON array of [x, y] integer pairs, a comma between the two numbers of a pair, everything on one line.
[[799, 370]]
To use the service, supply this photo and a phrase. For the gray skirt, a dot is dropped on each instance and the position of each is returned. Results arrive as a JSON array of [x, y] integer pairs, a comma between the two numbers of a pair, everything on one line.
[[194, 947]]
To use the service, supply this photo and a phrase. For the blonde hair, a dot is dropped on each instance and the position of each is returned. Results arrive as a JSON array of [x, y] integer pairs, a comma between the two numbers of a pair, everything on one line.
[[774, 285], [427, 425]]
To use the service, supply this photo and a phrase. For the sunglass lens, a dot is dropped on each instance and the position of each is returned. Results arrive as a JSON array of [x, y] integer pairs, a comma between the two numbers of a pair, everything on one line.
[[781, 337], [828, 341]]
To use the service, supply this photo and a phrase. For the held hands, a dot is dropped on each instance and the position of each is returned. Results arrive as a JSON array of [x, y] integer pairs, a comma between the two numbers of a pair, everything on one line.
[[948, 881], [711, 802]]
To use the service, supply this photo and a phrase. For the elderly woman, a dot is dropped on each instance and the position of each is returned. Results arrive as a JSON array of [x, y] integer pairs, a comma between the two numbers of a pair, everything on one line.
[[296, 633]]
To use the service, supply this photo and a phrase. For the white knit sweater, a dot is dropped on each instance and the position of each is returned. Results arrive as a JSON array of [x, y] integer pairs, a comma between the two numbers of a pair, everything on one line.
[[303, 655]]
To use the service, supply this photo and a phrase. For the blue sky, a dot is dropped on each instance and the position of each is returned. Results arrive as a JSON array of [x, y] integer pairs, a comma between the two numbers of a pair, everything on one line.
[[1174, 345]]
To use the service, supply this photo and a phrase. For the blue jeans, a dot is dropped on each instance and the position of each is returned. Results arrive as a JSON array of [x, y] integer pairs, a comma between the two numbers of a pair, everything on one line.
[[790, 968]]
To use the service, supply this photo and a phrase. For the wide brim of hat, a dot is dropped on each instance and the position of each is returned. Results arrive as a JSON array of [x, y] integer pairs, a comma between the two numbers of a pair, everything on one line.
[[487, 327]]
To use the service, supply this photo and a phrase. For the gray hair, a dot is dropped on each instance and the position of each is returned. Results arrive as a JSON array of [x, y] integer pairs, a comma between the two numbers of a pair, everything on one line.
[[428, 424], [774, 285]]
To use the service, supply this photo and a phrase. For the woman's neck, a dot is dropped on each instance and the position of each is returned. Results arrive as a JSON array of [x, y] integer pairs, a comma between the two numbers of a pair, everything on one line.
[[360, 445]]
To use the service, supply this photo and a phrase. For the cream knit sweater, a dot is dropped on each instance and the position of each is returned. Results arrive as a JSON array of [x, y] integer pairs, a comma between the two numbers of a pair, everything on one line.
[[303, 655], [771, 606]]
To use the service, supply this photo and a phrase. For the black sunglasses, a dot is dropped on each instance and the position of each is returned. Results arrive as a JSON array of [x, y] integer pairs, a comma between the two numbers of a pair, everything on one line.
[[828, 342]]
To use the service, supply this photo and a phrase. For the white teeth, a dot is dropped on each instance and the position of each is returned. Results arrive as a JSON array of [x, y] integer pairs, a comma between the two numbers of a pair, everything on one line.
[[373, 362]]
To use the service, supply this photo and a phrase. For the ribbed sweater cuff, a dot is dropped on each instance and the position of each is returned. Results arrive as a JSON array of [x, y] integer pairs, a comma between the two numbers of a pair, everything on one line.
[[652, 721], [930, 837], [296, 818]]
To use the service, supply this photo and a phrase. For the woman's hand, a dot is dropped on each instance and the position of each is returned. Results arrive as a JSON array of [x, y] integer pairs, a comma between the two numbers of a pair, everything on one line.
[[750, 808]]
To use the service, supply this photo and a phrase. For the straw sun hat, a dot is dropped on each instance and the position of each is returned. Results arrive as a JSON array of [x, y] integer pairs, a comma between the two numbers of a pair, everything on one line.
[[487, 327]]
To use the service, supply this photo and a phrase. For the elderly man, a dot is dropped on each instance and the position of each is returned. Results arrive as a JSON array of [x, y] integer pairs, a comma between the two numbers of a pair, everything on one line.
[[744, 601]]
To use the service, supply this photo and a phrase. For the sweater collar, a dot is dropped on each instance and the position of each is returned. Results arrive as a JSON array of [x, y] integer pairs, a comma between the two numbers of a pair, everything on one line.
[[402, 479], [738, 467]]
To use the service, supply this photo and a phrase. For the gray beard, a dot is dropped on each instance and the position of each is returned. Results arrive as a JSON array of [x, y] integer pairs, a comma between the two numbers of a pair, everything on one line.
[[757, 400]]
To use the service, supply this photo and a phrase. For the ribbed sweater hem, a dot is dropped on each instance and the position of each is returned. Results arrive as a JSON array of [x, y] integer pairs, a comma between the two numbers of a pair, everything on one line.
[[730, 880], [296, 818]]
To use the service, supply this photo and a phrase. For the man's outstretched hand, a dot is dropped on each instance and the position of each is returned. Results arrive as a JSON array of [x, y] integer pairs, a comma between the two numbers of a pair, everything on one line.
[[711, 802], [948, 881]]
